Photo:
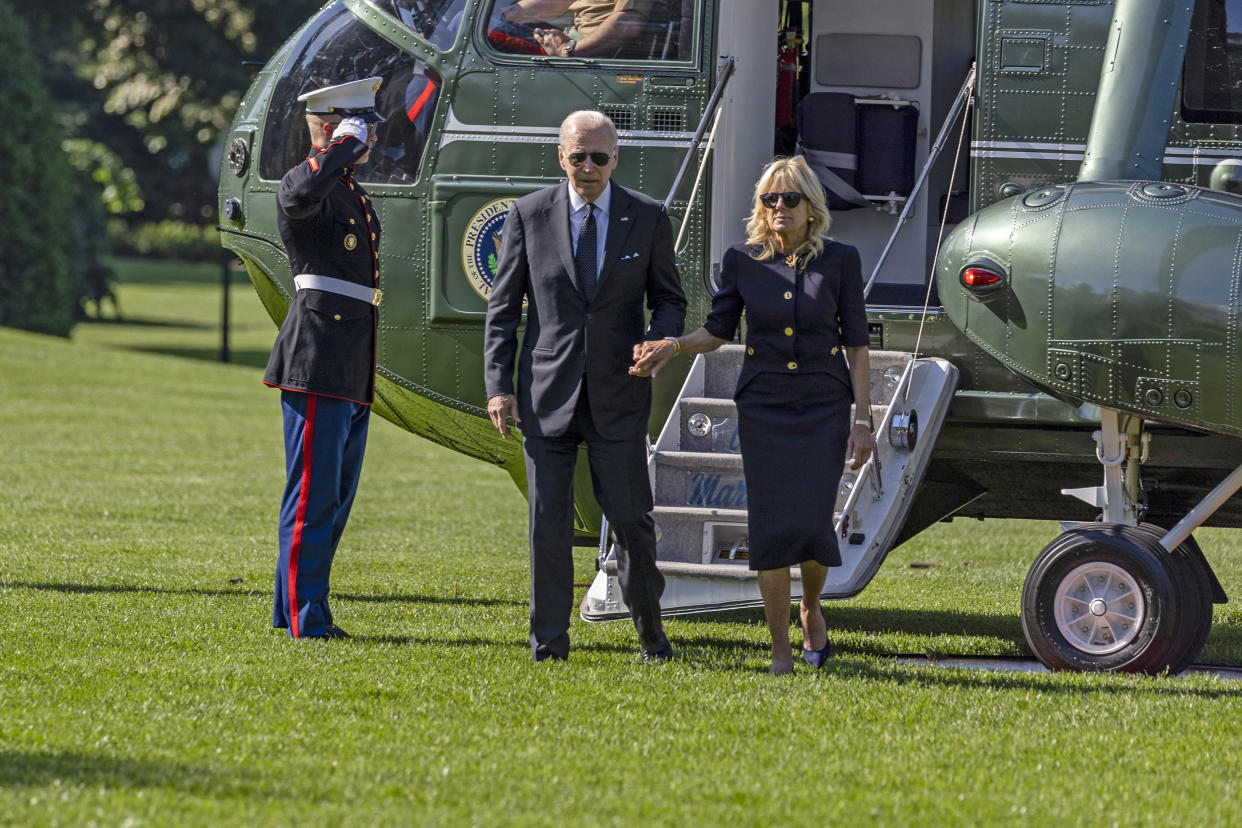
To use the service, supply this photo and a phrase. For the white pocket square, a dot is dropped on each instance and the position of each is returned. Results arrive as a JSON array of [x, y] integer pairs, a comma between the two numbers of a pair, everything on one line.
[[629, 256]]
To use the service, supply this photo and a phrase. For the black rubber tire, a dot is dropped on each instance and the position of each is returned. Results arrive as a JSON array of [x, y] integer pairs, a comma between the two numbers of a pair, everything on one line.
[[1190, 570], [1165, 587]]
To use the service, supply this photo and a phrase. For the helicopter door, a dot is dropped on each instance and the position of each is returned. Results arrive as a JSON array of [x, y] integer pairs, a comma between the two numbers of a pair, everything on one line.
[[883, 75]]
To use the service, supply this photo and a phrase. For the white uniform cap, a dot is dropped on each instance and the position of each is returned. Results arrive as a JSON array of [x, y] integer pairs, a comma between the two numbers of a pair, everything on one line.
[[352, 99]]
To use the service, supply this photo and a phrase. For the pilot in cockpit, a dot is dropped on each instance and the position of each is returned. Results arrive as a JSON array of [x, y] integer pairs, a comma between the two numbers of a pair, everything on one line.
[[599, 28]]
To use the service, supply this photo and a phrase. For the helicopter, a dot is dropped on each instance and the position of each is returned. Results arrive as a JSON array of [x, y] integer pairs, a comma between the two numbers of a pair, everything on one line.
[[1045, 196]]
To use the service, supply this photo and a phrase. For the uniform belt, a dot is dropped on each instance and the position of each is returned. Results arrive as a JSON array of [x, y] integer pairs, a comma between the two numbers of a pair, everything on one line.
[[313, 281]]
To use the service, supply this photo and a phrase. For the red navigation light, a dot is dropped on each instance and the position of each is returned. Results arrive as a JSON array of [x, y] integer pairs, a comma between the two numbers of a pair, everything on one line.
[[977, 277]]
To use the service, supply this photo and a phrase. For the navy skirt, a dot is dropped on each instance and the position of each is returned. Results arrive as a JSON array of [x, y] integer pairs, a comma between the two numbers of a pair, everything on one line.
[[793, 430]]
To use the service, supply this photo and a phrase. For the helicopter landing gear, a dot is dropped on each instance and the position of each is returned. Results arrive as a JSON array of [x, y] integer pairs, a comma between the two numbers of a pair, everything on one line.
[[1109, 597], [1118, 595]]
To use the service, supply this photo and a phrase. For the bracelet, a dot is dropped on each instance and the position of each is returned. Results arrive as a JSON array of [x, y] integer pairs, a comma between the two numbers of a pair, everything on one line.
[[861, 421], [676, 344]]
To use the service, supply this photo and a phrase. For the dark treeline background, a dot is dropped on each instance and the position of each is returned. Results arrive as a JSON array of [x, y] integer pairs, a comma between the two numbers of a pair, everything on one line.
[[122, 107]]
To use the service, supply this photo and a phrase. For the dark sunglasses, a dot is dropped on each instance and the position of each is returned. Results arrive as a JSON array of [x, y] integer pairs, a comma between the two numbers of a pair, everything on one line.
[[599, 159], [770, 200]]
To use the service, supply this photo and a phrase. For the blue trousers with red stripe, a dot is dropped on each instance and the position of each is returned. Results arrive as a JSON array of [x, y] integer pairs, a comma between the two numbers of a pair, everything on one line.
[[325, 439]]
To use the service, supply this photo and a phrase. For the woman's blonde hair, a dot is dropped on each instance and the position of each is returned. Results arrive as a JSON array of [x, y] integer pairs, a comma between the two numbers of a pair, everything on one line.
[[779, 175]]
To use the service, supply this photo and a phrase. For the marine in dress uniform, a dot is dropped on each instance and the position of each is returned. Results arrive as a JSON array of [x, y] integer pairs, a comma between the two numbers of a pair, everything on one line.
[[324, 357]]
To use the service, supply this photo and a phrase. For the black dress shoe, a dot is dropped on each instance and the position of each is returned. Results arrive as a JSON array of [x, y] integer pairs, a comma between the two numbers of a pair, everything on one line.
[[550, 657], [663, 655], [335, 632]]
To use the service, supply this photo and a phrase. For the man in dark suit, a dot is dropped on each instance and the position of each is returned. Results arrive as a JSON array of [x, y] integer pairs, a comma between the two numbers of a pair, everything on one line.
[[324, 357], [585, 255]]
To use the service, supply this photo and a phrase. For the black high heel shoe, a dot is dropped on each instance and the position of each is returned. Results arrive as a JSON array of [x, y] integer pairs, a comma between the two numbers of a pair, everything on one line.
[[816, 658]]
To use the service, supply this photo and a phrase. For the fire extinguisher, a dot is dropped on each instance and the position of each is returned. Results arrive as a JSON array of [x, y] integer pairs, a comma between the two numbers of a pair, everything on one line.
[[786, 78]]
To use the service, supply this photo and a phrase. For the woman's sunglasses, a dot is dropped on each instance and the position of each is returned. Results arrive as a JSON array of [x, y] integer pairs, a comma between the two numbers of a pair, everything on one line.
[[599, 159], [770, 200]]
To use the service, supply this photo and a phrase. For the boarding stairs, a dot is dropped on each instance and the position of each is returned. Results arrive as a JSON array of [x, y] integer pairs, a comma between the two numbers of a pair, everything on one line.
[[700, 492]]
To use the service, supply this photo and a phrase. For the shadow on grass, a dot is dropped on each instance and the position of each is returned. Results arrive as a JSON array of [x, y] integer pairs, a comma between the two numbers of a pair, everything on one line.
[[86, 589], [149, 322], [42, 769], [1077, 685], [871, 620], [249, 359]]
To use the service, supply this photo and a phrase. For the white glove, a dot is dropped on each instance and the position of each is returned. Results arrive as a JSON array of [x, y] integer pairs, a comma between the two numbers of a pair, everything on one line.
[[351, 126]]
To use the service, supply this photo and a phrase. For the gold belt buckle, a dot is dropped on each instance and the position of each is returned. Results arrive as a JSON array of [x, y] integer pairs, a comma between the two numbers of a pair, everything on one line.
[[379, 297]]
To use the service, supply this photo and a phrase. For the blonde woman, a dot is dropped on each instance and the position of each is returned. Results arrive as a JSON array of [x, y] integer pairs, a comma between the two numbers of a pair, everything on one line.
[[803, 298]]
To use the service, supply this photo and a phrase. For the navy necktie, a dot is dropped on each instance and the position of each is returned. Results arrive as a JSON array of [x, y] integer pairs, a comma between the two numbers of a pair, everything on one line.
[[584, 257]]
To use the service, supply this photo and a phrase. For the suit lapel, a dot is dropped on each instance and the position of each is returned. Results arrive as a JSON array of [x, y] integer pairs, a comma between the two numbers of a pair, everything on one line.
[[620, 222], [557, 212]]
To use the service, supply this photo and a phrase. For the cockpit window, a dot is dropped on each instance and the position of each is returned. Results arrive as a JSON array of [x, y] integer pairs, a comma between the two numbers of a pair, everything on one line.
[[1212, 77], [647, 30], [435, 21], [339, 48]]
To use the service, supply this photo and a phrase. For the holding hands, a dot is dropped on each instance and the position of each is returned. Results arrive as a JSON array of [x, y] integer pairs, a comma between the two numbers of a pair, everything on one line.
[[649, 357]]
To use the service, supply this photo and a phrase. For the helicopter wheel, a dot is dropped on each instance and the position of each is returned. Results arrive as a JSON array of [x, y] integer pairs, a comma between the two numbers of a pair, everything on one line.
[[1196, 578], [1109, 598]]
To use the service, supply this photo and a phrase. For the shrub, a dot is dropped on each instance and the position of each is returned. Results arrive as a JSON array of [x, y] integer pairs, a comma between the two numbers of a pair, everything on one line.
[[166, 240], [39, 287]]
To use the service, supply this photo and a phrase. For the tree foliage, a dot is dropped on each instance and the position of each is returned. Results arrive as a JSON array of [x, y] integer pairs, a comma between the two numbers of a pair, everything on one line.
[[154, 84], [38, 282]]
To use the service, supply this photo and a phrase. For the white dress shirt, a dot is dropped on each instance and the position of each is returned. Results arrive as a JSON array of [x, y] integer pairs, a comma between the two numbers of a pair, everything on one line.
[[578, 212]]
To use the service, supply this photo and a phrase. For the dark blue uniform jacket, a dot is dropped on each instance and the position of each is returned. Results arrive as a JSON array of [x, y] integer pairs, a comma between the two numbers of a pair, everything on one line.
[[329, 227], [796, 321]]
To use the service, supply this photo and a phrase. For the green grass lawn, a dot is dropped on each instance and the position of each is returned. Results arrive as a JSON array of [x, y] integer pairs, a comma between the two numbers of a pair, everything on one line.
[[141, 683], [175, 308]]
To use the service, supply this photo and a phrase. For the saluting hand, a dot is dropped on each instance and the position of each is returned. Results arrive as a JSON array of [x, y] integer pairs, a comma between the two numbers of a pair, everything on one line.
[[354, 126]]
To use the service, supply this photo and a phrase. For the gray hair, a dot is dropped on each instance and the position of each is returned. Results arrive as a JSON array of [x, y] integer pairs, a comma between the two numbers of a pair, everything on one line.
[[585, 119]]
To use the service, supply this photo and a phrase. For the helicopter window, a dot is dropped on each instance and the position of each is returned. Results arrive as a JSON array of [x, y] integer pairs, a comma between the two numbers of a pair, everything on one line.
[[435, 21], [649, 30], [887, 61], [1212, 76], [341, 48]]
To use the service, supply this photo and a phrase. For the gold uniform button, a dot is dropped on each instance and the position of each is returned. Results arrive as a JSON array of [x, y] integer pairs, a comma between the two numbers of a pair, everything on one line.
[[789, 332], [793, 366], [351, 221], [372, 237], [750, 351], [789, 294], [337, 317], [834, 350]]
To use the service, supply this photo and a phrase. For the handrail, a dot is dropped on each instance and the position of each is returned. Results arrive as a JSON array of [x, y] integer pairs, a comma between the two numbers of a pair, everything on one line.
[[726, 72], [872, 466], [933, 156]]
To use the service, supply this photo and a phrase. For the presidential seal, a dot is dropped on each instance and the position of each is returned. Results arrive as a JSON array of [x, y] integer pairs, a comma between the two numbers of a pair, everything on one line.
[[480, 248]]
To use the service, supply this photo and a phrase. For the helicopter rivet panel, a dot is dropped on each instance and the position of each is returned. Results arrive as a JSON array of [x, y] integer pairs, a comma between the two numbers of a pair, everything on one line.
[[1123, 294]]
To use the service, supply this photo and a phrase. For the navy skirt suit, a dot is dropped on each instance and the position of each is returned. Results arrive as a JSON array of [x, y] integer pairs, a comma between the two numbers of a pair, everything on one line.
[[794, 392]]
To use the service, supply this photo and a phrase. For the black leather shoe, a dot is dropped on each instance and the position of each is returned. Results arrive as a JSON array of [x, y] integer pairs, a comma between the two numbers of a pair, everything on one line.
[[335, 632], [663, 655]]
